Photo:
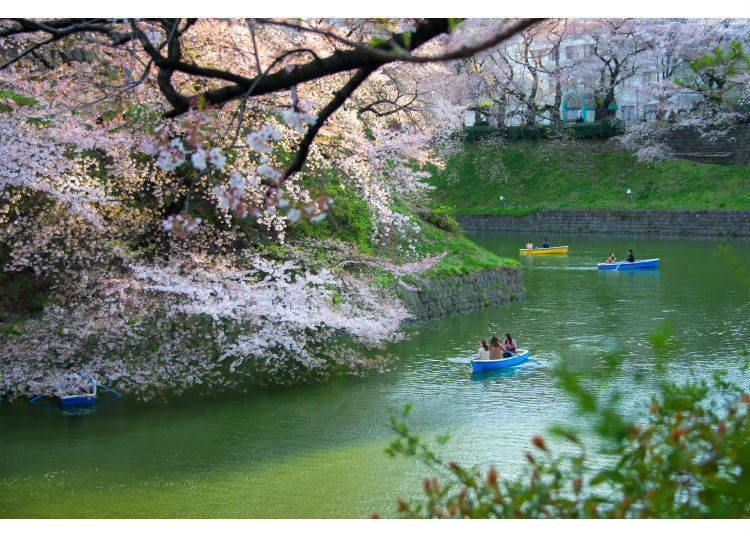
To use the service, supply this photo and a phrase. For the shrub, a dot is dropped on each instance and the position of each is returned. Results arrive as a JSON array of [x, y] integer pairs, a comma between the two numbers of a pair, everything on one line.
[[441, 217], [604, 129], [349, 218]]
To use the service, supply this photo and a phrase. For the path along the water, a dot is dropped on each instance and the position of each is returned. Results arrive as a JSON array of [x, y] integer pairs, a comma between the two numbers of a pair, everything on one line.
[[317, 451]]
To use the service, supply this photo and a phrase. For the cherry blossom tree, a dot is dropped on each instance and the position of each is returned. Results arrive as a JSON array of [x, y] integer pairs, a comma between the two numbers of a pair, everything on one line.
[[143, 163]]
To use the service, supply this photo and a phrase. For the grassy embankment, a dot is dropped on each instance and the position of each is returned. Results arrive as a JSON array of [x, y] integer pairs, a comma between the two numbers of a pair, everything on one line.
[[582, 174], [350, 220]]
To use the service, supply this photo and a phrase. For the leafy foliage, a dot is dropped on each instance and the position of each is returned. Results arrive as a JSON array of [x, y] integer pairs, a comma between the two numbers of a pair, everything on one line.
[[719, 76], [349, 218], [442, 217]]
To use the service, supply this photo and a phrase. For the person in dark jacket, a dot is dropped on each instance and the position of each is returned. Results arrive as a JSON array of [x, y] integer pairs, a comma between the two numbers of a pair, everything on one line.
[[545, 244], [630, 256], [508, 346]]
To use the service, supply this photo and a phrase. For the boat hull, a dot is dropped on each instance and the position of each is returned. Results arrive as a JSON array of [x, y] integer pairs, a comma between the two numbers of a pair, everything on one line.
[[637, 265], [75, 400], [560, 250], [479, 366]]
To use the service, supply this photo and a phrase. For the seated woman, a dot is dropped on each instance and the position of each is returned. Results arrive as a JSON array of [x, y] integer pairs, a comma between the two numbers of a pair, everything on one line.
[[509, 345], [496, 351], [483, 354], [529, 245], [611, 259]]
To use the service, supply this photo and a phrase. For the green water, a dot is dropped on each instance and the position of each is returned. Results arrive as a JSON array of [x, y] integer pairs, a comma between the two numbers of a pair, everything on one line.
[[317, 451]]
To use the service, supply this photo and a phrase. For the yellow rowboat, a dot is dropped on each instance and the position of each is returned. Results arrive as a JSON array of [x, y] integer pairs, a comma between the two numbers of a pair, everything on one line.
[[559, 250]]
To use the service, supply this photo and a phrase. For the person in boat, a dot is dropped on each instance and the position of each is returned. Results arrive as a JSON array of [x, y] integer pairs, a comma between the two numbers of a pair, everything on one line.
[[545, 244], [496, 350], [483, 354], [529, 245], [509, 345], [630, 256], [611, 259]]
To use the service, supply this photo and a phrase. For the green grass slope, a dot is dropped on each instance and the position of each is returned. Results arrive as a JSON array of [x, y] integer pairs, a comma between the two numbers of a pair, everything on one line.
[[582, 174]]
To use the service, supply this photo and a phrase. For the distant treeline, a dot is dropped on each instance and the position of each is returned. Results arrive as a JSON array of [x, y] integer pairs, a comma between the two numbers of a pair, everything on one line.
[[604, 129]]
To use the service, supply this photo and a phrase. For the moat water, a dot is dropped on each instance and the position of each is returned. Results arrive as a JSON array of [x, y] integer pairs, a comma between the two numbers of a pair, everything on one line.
[[318, 450]]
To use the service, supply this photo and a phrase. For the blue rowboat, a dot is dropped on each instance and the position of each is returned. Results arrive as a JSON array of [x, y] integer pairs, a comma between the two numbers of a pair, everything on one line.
[[491, 364], [79, 399], [76, 400], [624, 265]]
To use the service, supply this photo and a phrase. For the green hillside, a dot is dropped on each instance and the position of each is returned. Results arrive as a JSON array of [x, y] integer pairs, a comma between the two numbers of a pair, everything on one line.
[[582, 174]]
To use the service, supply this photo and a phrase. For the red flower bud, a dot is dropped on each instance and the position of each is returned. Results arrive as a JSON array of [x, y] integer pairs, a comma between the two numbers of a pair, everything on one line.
[[653, 408], [577, 482], [745, 399], [538, 442], [721, 428], [492, 476], [530, 457]]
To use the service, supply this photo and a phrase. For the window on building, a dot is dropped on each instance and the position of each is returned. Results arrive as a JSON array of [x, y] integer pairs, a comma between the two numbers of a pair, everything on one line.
[[649, 78], [627, 113]]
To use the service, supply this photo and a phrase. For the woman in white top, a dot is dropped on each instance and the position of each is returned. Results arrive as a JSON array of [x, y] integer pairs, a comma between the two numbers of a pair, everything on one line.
[[483, 354], [529, 245]]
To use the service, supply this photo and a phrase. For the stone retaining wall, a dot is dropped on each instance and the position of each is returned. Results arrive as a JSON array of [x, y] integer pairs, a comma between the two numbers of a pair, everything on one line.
[[464, 292], [697, 223], [731, 147]]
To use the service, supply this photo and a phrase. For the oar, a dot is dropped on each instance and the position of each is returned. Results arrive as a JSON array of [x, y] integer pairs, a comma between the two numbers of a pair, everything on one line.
[[108, 389], [511, 353], [102, 386]]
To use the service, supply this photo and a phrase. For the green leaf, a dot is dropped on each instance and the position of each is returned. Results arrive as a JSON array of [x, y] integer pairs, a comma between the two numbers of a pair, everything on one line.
[[407, 39], [452, 23], [608, 476]]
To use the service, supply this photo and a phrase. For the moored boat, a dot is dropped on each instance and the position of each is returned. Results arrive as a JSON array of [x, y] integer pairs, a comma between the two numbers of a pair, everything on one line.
[[77, 400], [491, 364], [85, 395], [74, 391], [624, 265], [557, 250]]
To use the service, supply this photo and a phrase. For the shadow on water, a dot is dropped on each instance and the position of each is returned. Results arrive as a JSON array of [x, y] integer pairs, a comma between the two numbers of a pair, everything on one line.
[[509, 372]]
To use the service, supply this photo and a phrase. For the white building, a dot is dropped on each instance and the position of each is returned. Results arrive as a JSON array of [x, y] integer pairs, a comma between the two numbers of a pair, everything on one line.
[[634, 97]]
